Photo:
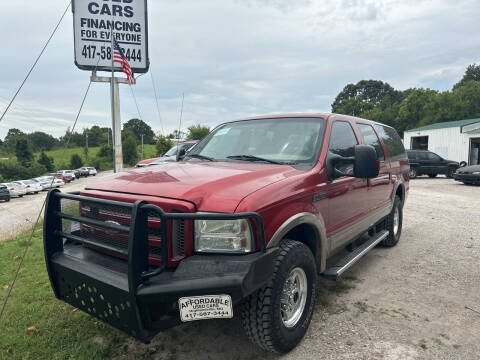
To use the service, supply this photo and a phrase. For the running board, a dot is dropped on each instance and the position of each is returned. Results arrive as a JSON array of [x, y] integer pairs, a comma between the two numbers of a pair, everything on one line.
[[335, 271]]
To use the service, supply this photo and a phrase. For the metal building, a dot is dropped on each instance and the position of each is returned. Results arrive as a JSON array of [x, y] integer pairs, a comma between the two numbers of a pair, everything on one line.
[[452, 140]]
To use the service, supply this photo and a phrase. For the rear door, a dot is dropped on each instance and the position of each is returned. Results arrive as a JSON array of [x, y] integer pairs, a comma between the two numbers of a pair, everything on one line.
[[346, 194], [378, 189]]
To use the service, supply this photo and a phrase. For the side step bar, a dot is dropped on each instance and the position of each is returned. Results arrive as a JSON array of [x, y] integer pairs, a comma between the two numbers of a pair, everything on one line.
[[335, 271]]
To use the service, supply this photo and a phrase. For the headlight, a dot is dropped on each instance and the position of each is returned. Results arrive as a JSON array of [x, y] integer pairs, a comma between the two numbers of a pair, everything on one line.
[[476, 173], [223, 236]]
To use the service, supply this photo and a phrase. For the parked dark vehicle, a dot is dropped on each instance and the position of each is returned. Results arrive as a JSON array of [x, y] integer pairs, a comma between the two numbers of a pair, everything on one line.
[[424, 162], [4, 193], [469, 175], [243, 225], [83, 171]]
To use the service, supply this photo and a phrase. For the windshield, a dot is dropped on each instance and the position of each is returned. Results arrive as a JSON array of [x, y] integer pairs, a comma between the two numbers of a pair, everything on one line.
[[172, 151], [283, 140]]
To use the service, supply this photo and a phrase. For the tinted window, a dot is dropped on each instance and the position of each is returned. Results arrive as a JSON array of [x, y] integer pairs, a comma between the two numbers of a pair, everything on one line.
[[392, 141], [342, 142], [434, 157], [422, 155], [370, 138], [412, 155]]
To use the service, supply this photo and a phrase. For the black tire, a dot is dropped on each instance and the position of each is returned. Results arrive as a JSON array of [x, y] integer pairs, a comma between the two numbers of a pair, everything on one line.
[[394, 237], [413, 173], [450, 173], [432, 175], [261, 314]]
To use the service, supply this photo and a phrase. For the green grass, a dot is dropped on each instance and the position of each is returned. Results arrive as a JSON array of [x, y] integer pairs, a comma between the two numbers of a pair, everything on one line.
[[58, 154], [61, 332]]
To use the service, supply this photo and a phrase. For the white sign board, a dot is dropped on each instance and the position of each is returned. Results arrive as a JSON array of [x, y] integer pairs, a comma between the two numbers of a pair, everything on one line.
[[93, 21]]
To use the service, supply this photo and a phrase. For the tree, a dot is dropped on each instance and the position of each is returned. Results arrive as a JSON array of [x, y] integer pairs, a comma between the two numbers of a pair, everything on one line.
[[42, 141], [11, 139], [23, 151], [105, 151], [76, 161], [163, 145], [129, 148], [139, 128], [46, 162], [197, 132], [176, 134], [365, 95], [472, 73]]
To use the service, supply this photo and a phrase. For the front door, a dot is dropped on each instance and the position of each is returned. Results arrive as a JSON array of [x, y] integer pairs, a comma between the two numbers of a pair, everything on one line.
[[346, 195]]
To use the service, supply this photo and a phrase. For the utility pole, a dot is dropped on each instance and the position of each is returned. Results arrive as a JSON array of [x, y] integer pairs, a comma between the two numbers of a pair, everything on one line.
[[142, 146], [86, 137], [108, 137]]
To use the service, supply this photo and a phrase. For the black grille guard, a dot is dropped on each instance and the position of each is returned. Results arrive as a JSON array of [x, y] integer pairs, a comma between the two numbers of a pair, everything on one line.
[[70, 281]]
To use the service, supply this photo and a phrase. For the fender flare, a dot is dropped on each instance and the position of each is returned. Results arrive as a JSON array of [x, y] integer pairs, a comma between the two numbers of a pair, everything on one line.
[[310, 219]]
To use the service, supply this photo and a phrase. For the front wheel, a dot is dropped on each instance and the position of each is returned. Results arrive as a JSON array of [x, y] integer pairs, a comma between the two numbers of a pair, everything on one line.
[[277, 316], [413, 173], [393, 223]]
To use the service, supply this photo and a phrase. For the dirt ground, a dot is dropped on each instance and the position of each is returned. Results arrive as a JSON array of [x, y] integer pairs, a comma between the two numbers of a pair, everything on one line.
[[21, 213], [408, 302]]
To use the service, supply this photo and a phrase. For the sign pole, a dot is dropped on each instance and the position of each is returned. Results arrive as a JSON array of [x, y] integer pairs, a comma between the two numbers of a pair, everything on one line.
[[116, 121]]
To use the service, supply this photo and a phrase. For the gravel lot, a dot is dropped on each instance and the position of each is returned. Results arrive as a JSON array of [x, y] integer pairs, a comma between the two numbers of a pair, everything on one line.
[[21, 213], [408, 302]]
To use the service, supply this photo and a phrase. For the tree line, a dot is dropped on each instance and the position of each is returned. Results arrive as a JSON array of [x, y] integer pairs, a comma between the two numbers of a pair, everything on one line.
[[379, 101], [26, 156]]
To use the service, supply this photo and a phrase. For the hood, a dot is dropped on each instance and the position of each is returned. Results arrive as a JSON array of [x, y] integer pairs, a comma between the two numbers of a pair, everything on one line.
[[211, 186], [469, 169]]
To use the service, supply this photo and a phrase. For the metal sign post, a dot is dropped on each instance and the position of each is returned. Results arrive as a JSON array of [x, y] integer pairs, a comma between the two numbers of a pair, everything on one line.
[[94, 23], [116, 120]]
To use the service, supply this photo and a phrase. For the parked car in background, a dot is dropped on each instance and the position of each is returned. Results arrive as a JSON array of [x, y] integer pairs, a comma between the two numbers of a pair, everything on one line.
[[44, 185], [49, 182], [68, 175], [31, 186], [428, 163], [16, 189], [469, 175], [4, 193], [77, 173], [83, 171], [171, 155], [92, 171], [146, 162]]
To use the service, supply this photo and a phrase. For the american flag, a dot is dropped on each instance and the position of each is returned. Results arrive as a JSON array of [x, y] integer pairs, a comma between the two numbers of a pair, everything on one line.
[[119, 57]]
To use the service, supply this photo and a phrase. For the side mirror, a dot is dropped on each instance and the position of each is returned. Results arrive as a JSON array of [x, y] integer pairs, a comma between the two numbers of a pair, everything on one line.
[[181, 154], [364, 163]]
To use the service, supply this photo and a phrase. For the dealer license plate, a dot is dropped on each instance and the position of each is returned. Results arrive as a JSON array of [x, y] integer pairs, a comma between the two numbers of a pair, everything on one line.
[[205, 307]]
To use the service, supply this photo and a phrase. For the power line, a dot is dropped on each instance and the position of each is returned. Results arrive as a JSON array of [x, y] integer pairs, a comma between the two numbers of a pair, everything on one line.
[[36, 61], [156, 100], [29, 242]]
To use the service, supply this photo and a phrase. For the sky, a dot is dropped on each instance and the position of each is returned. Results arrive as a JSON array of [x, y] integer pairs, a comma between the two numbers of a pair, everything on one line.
[[236, 58]]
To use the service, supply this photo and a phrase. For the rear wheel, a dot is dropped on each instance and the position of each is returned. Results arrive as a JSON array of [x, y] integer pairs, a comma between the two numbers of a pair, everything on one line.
[[413, 173], [277, 316], [393, 223], [432, 175]]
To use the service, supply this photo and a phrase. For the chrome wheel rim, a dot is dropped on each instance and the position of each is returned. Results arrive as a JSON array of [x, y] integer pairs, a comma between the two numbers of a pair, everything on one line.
[[293, 297], [396, 221]]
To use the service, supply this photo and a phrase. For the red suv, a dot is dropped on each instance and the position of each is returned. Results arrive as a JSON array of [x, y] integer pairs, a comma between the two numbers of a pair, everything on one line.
[[243, 225]]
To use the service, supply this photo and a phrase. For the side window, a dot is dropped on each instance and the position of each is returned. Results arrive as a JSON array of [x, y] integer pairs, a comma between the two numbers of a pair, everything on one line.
[[370, 138], [392, 141], [422, 155], [433, 157], [342, 142], [412, 156]]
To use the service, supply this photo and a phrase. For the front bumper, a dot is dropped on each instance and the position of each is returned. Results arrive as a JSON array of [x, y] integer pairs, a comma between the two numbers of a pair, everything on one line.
[[130, 295], [468, 178]]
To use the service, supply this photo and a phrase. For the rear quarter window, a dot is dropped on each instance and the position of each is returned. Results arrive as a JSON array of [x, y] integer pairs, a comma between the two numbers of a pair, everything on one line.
[[370, 138], [392, 141]]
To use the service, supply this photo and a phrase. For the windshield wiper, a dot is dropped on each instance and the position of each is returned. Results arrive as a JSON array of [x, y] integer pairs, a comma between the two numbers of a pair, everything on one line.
[[253, 158], [198, 156]]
